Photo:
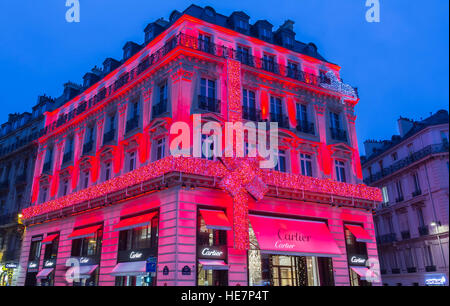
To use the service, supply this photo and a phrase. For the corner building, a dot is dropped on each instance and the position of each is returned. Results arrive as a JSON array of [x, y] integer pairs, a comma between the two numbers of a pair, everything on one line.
[[111, 205]]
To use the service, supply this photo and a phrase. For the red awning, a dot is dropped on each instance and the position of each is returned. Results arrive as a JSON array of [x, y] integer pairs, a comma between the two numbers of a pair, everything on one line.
[[128, 223], [81, 271], [215, 219], [364, 273], [84, 232], [210, 264], [293, 237], [360, 233], [44, 273], [133, 268], [49, 239]]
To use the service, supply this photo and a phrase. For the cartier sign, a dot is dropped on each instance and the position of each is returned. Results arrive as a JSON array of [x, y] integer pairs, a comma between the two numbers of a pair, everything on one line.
[[49, 263], [357, 260], [33, 266], [135, 255], [211, 252]]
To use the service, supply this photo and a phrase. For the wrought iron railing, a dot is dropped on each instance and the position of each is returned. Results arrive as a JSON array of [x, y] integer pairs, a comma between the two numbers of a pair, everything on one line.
[[88, 147], [403, 163], [109, 136], [406, 235], [191, 42], [423, 230], [251, 113], [47, 167], [305, 127], [159, 109], [209, 104], [67, 157], [132, 124], [338, 134]]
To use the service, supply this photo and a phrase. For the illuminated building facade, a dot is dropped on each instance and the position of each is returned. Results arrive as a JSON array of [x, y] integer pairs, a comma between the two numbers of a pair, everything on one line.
[[411, 224], [17, 156], [108, 196]]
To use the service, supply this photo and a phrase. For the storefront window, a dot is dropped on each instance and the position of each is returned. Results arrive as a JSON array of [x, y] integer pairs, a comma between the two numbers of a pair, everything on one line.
[[137, 246], [358, 250], [286, 270], [212, 268], [50, 254], [33, 261], [210, 237], [89, 246], [88, 250], [144, 237]]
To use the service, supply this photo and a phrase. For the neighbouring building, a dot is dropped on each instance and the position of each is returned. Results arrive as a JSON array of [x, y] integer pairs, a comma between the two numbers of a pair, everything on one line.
[[412, 170], [18, 150], [112, 206]]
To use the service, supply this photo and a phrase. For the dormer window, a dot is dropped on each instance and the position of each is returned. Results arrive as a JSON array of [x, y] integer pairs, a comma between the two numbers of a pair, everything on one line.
[[266, 33]]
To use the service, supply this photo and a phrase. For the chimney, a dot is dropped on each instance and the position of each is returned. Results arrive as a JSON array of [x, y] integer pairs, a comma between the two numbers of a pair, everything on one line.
[[130, 49], [71, 90], [372, 146], [109, 65], [404, 125], [288, 25]]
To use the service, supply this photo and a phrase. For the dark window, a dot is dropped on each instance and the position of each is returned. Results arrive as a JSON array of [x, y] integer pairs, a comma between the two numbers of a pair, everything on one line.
[[144, 237], [211, 237], [90, 246], [306, 164]]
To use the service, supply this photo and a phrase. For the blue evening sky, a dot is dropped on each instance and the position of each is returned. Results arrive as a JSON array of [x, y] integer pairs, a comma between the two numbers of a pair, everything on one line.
[[400, 65]]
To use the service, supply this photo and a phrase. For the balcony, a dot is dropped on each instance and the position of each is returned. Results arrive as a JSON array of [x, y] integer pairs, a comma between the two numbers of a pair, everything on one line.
[[159, 109], [416, 193], [88, 147], [67, 157], [305, 127], [8, 218], [403, 163], [411, 270], [388, 238], [132, 124], [245, 59], [406, 235], [109, 136], [283, 121], [395, 271], [338, 134], [209, 104], [251, 113], [4, 185], [430, 268], [193, 43], [21, 179], [423, 230], [47, 167], [399, 199]]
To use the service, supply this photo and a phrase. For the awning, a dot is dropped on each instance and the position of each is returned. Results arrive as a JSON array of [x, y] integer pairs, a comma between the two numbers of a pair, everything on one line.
[[215, 219], [128, 223], [293, 237], [209, 264], [130, 268], [44, 273], [84, 232], [363, 272], [360, 233], [83, 272], [49, 239]]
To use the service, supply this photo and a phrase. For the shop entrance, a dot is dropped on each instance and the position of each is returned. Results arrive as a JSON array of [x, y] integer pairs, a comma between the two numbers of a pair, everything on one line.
[[284, 271]]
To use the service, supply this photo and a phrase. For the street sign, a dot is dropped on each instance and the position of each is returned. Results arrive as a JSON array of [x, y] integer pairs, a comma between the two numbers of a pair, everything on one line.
[[151, 264]]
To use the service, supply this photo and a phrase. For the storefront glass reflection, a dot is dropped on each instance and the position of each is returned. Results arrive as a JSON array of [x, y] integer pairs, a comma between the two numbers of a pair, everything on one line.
[[285, 270]]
